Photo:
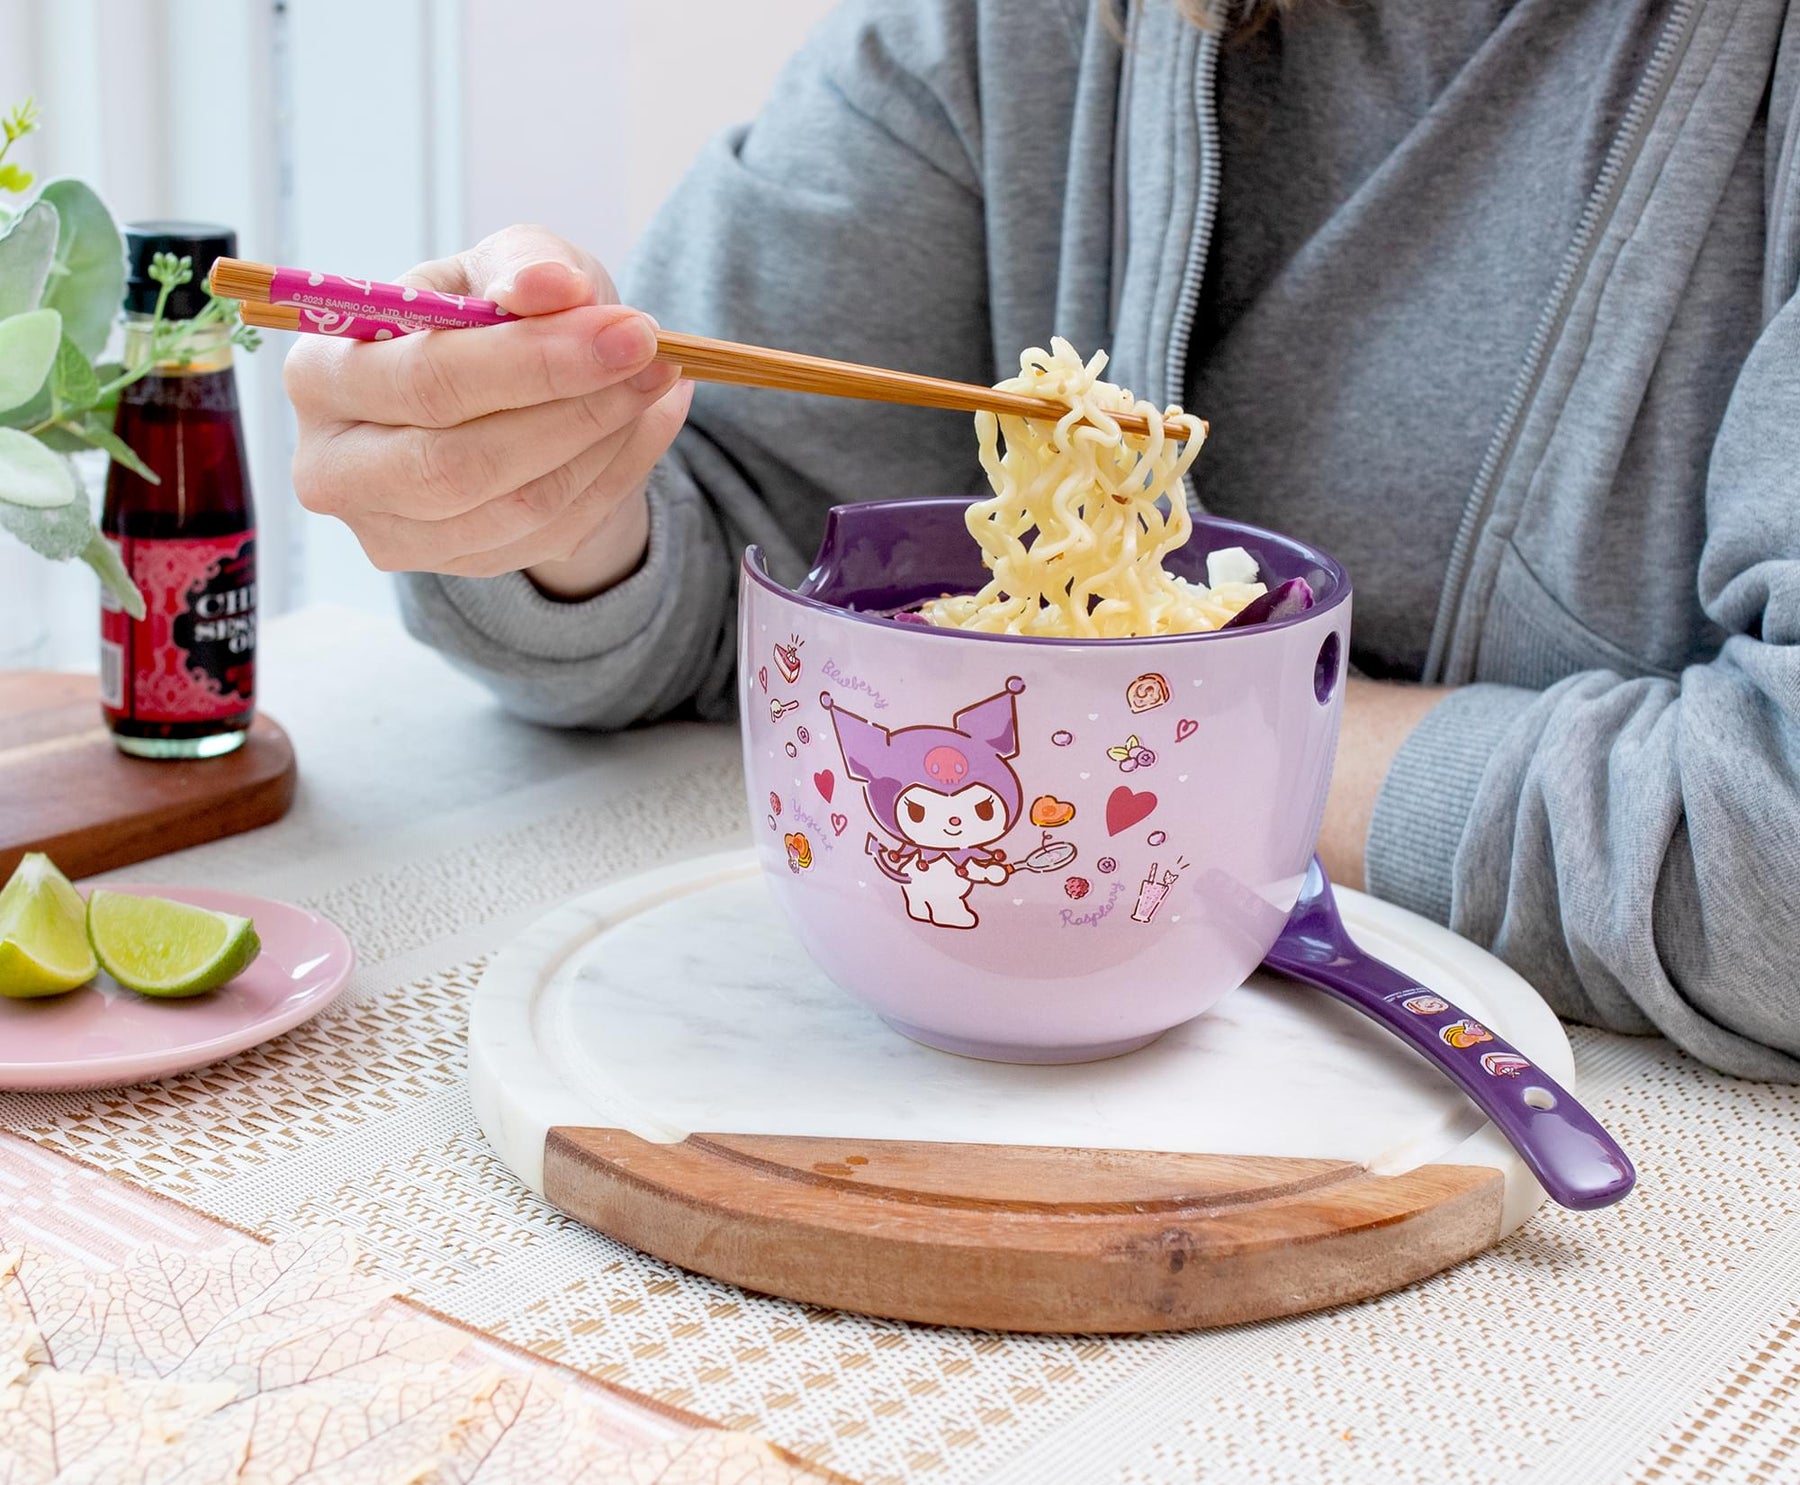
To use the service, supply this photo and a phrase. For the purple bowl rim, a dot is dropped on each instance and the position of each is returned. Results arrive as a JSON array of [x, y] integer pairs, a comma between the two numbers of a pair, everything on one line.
[[753, 567]]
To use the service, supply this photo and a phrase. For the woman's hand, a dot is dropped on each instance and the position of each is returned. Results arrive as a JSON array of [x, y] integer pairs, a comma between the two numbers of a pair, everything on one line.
[[516, 447]]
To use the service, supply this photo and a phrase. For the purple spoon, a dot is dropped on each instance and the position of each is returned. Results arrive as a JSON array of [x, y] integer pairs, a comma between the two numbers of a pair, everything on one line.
[[1573, 1158]]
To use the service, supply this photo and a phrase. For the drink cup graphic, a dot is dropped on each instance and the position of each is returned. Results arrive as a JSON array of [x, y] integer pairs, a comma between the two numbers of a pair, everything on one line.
[[1151, 892]]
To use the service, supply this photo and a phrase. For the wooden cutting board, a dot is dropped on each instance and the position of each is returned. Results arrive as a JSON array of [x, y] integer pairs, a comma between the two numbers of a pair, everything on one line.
[[66, 790], [1278, 1155]]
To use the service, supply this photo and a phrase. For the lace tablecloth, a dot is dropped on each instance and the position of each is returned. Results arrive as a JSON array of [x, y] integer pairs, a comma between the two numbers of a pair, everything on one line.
[[1658, 1340]]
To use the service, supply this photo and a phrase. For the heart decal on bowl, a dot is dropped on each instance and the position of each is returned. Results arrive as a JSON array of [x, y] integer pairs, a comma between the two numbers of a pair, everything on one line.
[[839, 824], [1186, 728], [1124, 808], [825, 781]]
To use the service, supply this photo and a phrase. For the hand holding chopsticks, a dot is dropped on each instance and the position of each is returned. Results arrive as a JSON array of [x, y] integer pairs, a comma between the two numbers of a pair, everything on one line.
[[364, 309]]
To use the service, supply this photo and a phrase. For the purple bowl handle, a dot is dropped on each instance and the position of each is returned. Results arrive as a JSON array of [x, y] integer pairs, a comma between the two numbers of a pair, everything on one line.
[[1575, 1160]]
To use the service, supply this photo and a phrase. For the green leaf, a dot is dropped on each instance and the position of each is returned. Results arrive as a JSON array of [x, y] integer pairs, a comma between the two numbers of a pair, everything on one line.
[[21, 121], [108, 372], [28, 344], [88, 282], [103, 557], [60, 533], [29, 414], [33, 478], [77, 388], [64, 440], [95, 434], [15, 178], [25, 253]]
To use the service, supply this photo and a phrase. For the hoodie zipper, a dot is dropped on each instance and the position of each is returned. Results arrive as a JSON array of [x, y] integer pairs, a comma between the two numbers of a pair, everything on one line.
[[1200, 241], [1601, 204]]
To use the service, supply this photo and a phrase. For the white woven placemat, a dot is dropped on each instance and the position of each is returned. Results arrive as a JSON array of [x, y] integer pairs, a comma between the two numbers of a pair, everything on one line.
[[1656, 1340]]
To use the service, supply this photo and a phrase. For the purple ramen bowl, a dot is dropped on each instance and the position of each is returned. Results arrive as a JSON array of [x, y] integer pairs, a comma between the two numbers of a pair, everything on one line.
[[1030, 850]]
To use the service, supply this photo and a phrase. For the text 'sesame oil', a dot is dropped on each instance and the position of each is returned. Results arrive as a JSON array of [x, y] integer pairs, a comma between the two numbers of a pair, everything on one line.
[[180, 682]]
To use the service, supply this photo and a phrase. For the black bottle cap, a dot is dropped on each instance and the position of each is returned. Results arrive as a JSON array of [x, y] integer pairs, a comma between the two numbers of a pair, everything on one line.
[[204, 242]]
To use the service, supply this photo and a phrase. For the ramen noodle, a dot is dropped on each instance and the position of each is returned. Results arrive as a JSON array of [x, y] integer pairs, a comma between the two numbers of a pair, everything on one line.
[[1083, 515]]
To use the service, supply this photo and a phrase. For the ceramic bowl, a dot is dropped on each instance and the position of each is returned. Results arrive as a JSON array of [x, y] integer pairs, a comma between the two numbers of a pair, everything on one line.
[[1030, 850]]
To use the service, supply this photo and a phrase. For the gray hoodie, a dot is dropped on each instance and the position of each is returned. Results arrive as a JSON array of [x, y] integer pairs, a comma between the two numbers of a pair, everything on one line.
[[1611, 799]]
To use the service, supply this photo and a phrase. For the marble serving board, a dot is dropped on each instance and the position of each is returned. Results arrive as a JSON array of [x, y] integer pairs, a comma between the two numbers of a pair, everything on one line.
[[662, 1060]]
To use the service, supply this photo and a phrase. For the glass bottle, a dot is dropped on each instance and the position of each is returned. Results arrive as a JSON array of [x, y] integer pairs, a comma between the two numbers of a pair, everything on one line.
[[181, 682]]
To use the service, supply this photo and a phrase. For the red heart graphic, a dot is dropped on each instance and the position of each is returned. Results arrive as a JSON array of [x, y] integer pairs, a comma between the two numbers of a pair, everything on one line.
[[763, 676], [1186, 728], [824, 781], [839, 824], [1124, 809]]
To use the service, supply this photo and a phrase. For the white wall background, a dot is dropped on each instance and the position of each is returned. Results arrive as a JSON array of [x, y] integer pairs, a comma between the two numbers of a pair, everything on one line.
[[362, 136]]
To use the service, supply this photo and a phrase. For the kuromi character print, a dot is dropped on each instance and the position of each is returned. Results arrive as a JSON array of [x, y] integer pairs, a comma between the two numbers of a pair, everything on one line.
[[943, 796]]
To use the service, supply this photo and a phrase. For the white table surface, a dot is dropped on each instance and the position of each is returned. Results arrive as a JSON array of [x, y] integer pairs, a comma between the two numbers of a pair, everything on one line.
[[1659, 1339]]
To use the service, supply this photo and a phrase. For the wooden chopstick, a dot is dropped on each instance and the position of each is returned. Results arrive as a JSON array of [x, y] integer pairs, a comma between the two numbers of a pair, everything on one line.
[[361, 309], [705, 360]]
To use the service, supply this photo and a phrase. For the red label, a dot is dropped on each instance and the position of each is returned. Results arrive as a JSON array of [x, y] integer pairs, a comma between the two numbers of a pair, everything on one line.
[[192, 657]]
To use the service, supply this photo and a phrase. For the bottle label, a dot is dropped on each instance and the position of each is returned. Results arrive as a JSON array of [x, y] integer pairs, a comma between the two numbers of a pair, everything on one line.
[[192, 657]]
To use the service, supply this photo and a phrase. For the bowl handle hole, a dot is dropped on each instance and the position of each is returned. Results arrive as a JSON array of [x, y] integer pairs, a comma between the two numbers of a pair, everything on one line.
[[1539, 1098], [1326, 667]]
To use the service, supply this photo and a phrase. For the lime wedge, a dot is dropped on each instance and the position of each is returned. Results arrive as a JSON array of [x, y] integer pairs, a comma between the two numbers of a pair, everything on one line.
[[169, 949], [43, 947]]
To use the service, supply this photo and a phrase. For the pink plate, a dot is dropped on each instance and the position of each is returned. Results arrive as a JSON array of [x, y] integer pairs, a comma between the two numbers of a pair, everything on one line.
[[101, 1036]]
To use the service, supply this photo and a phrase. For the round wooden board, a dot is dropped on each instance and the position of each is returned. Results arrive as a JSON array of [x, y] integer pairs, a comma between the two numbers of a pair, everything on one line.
[[1276, 1156], [66, 790]]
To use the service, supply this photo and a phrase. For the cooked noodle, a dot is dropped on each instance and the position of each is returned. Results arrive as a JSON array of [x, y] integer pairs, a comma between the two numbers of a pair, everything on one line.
[[1074, 536]]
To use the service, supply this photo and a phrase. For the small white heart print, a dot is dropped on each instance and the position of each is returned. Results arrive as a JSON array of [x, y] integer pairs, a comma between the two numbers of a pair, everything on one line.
[[1093, 716], [1181, 778], [1085, 775], [1018, 902]]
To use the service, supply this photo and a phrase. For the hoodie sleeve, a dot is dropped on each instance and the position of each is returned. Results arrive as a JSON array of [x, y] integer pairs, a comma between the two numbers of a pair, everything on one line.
[[847, 221], [1632, 845]]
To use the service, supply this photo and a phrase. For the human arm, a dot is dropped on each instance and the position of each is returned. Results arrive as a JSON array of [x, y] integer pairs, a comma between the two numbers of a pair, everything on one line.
[[1378, 717], [486, 453], [1629, 843], [847, 221]]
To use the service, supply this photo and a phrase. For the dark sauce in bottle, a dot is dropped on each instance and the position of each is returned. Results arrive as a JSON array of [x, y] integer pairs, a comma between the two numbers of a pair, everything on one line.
[[181, 682]]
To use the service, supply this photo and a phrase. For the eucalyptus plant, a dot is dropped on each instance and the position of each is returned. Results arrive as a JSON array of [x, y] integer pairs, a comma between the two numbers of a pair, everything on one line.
[[62, 280]]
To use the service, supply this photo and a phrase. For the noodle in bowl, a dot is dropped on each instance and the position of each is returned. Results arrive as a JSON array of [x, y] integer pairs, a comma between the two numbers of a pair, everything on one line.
[[1025, 847]]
